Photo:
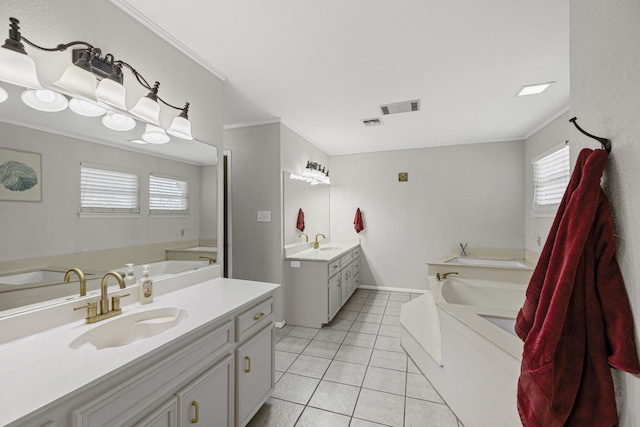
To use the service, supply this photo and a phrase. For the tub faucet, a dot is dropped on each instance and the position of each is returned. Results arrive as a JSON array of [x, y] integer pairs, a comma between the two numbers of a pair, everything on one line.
[[443, 276], [316, 245], [211, 260], [306, 238], [81, 278]]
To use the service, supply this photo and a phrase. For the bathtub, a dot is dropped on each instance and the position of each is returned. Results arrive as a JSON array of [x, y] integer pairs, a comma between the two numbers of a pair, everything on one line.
[[162, 269], [460, 335], [487, 262]]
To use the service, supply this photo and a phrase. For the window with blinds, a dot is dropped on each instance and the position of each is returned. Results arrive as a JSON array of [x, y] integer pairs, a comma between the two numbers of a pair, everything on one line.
[[551, 175], [168, 195], [108, 191]]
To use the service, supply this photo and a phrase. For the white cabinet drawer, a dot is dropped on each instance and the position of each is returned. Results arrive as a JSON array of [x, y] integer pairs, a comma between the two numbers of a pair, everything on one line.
[[334, 267], [346, 259], [254, 319]]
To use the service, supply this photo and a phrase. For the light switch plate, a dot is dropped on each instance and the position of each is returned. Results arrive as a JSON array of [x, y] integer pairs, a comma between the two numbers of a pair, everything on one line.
[[264, 216]]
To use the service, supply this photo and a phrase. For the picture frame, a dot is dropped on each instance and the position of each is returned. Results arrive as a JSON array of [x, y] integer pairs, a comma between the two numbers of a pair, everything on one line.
[[20, 176]]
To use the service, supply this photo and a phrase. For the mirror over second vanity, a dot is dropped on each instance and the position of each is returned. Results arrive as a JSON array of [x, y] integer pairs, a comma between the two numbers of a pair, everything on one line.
[[313, 200], [46, 233]]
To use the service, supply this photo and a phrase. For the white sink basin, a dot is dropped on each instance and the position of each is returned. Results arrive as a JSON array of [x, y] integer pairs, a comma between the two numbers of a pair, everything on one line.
[[128, 328], [35, 276]]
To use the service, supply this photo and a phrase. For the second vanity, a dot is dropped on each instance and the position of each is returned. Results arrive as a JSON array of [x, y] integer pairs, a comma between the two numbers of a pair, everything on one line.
[[318, 282], [212, 364]]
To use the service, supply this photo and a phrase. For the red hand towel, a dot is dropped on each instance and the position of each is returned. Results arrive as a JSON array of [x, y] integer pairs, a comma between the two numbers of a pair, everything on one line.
[[357, 222], [576, 320], [300, 222]]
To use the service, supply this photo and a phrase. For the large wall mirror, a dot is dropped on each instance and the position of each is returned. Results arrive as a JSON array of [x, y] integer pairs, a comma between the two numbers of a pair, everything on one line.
[[48, 227], [314, 202]]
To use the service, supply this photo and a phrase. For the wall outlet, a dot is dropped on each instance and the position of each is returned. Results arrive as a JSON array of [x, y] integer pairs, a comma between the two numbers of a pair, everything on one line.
[[295, 264], [539, 240], [340, 228], [264, 216], [182, 231]]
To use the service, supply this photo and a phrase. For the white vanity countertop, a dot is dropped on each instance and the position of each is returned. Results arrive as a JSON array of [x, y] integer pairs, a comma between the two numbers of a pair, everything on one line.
[[39, 369], [326, 252]]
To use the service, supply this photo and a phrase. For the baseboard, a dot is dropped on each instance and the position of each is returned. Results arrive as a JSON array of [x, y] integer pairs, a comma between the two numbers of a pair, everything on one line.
[[387, 288], [281, 325]]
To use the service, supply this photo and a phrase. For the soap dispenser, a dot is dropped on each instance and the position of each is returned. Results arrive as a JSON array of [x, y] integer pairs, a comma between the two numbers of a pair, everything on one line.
[[146, 287], [130, 278]]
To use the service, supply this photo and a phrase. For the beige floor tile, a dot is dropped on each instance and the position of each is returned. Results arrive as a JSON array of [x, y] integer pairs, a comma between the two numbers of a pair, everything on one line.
[[389, 344], [324, 349], [417, 411], [309, 366], [292, 344], [389, 360], [387, 380], [365, 327], [276, 413], [419, 387], [390, 331], [345, 373], [303, 332], [360, 340], [350, 353], [331, 335], [335, 397], [295, 388], [312, 417], [379, 407], [284, 360]]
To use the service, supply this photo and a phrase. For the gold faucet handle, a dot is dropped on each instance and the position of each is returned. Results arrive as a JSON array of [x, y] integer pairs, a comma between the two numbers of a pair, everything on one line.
[[92, 309], [211, 260], [115, 301]]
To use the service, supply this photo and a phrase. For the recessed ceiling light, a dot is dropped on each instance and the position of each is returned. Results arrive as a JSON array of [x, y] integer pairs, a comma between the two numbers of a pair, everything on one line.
[[534, 89]]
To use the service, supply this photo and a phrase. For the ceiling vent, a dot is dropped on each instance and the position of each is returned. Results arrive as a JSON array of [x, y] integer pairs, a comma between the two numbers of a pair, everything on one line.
[[400, 107], [372, 122]]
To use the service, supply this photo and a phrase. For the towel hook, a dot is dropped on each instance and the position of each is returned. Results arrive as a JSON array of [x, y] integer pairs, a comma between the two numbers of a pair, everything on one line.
[[606, 143]]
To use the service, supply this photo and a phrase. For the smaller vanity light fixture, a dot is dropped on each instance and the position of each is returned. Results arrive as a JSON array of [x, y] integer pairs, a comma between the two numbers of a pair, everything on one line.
[[314, 173], [534, 89], [93, 82]]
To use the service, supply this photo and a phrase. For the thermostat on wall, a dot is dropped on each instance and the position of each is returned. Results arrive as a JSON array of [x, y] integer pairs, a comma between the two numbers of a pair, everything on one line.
[[403, 176]]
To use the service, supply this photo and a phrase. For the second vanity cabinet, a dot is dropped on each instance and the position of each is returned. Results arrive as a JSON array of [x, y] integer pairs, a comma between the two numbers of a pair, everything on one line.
[[316, 290]]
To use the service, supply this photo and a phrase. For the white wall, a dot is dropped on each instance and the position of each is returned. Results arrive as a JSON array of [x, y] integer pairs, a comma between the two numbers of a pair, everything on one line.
[[553, 134], [255, 186], [469, 193], [605, 90]]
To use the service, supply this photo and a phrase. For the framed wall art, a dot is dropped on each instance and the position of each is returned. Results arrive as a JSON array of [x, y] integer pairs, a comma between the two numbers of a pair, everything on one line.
[[20, 176]]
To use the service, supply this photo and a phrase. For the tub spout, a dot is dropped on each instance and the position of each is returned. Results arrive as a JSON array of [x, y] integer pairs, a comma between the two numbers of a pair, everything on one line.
[[444, 275]]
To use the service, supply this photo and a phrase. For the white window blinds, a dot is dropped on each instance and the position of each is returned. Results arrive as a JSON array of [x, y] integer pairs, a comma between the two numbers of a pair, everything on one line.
[[551, 175], [168, 195], [108, 191]]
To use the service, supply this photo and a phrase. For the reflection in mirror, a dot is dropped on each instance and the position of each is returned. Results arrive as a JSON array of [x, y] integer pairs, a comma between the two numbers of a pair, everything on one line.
[[45, 233], [314, 202]]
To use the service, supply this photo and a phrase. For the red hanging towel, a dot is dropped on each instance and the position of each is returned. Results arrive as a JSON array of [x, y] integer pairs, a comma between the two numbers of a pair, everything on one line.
[[576, 320], [300, 222], [357, 222]]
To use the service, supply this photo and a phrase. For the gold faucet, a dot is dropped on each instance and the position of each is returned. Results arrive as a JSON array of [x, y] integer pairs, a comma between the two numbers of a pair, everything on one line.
[[92, 310], [306, 238], [444, 275], [83, 280], [211, 260], [316, 245]]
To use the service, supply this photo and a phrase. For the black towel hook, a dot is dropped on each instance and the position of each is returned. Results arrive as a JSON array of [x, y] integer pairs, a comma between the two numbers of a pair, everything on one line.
[[606, 143]]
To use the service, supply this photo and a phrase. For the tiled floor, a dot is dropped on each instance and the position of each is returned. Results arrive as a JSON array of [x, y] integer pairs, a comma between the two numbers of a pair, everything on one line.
[[353, 372]]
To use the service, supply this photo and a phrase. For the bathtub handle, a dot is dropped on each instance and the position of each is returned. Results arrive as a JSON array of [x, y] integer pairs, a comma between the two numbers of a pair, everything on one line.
[[445, 275]]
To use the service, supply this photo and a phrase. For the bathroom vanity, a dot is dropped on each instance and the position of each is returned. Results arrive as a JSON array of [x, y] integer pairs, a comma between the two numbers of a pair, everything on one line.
[[201, 354], [318, 282]]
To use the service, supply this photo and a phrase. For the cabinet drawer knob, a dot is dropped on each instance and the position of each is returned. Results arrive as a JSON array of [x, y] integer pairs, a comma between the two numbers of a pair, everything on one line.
[[248, 359], [197, 408], [259, 316]]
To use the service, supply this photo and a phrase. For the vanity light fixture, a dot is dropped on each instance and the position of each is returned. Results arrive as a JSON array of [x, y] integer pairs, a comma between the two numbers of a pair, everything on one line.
[[118, 122], [44, 100], [534, 89], [155, 135], [93, 81], [315, 174]]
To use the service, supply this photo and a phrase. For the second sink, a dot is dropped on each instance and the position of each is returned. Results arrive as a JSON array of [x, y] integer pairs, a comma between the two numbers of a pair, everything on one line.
[[129, 328]]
